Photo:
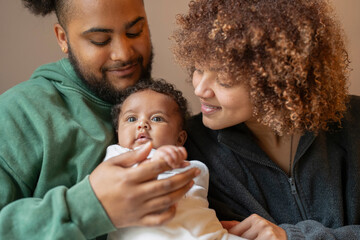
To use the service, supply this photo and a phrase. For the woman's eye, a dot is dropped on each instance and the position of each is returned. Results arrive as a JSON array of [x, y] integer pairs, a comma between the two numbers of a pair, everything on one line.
[[131, 119], [224, 82], [224, 85], [199, 71], [157, 119]]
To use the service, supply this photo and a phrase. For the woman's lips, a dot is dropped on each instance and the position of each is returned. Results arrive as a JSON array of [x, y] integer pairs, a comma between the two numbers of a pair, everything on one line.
[[209, 109]]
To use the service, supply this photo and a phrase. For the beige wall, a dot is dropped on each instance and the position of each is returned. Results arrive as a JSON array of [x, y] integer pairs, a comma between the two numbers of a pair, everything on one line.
[[28, 41]]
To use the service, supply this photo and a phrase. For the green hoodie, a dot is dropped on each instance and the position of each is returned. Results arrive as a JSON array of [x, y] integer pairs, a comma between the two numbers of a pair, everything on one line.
[[53, 133]]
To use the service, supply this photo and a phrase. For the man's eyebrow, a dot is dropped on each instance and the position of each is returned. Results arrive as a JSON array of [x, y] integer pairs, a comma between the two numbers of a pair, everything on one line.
[[130, 24], [106, 30], [95, 29]]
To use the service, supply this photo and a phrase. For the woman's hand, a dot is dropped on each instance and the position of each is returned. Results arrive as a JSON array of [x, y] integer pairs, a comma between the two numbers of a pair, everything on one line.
[[256, 227], [229, 224]]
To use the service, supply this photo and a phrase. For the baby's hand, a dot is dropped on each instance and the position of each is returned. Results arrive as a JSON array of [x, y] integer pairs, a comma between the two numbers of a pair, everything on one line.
[[173, 155]]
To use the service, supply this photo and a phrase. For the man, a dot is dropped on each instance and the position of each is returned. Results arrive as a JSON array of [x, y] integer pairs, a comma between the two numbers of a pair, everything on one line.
[[56, 126]]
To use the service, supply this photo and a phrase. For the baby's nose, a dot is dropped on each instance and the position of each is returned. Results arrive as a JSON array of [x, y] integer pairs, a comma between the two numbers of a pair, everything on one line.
[[143, 125]]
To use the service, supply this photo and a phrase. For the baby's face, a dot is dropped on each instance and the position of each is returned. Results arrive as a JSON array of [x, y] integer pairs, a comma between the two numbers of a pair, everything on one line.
[[150, 116]]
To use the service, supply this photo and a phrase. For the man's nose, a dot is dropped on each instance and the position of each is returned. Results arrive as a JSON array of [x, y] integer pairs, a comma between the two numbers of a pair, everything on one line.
[[122, 49]]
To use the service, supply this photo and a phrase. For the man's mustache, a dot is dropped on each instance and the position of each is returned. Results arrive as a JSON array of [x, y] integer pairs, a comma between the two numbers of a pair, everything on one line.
[[120, 64]]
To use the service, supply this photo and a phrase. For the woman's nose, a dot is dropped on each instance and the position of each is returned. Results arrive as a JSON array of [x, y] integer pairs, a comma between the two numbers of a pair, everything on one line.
[[202, 87]]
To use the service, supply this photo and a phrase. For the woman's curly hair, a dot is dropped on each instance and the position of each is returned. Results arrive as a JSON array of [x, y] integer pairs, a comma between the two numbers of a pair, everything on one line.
[[158, 85], [290, 54]]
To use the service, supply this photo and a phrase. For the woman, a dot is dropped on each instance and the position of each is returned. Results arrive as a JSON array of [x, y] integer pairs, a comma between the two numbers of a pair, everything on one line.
[[278, 131]]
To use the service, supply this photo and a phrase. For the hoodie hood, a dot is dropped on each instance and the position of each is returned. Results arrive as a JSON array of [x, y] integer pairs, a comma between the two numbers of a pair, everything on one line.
[[63, 76]]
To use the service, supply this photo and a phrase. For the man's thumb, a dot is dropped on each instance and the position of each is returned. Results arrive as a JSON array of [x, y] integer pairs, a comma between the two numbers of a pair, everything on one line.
[[143, 151]]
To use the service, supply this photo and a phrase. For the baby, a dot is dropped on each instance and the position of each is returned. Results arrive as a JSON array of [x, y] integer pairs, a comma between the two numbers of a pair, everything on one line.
[[153, 111]]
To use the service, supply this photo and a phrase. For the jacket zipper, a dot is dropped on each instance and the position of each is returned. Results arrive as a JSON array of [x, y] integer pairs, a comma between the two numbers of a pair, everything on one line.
[[296, 196], [290, 180], [292, 183]]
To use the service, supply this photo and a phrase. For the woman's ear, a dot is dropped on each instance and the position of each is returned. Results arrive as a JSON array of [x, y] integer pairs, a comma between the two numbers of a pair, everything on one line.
[[60, 34], [181, 138]]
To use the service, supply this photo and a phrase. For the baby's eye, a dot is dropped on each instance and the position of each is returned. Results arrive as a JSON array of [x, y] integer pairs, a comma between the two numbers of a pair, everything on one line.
[[131, 119], [157, 119]]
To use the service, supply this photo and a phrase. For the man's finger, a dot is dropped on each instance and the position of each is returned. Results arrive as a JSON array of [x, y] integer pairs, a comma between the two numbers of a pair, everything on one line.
[[158, 218], [165, 201], [148, 170], [164, 186], [128, 159]]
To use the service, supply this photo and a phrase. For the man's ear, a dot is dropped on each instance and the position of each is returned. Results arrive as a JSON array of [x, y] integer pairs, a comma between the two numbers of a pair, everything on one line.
[[181, 138], [60, 34]]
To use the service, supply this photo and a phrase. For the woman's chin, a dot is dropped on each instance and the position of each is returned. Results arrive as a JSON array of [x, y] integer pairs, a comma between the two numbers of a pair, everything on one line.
[[212, 125]]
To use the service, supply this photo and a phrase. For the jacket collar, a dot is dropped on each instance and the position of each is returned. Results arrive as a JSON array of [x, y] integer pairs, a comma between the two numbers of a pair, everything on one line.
[[240, 139]]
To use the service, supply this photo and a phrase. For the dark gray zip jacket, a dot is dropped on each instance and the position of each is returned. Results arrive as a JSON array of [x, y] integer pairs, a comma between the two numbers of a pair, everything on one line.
[[321, 198]]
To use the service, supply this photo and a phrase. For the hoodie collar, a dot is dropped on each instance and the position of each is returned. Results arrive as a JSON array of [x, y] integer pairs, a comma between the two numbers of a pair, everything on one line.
[[75, 80]]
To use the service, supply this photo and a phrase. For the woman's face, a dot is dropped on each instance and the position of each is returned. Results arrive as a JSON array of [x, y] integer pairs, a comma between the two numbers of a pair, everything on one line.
[[221, 105]]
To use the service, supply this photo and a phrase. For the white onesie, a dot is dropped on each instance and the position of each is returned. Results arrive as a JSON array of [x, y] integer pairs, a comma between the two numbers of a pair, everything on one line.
[[193, 219]]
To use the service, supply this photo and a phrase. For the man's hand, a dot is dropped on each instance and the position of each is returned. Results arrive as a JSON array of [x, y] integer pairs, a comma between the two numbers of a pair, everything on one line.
[[256, 227], [133, 196]]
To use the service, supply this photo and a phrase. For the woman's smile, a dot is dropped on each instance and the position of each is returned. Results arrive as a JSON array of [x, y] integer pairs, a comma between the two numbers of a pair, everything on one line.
[[207, 108]]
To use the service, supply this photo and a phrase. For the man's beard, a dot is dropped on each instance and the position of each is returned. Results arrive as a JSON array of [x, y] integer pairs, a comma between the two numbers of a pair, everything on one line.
[[102, 88]]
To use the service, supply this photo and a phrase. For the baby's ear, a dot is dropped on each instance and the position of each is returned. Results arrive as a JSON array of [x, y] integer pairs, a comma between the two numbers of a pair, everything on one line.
[[181, 138]]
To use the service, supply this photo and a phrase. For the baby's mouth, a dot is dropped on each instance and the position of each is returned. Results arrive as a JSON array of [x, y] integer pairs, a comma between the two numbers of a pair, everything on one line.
[[142, 138]]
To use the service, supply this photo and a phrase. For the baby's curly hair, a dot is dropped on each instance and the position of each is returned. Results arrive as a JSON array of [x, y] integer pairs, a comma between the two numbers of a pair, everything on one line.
[[156, 85], [289, 54]]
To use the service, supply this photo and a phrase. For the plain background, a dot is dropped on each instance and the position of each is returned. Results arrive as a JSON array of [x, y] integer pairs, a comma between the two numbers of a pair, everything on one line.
[[28, 41]]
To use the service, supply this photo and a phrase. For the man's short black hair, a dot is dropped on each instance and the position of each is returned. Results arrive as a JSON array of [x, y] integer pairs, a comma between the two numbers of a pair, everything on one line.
[[62, 9], [45, 7], [158, 85]]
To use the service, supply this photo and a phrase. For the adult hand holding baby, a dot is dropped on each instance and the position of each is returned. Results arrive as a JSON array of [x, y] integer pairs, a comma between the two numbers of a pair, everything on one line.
[[133, 196]]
